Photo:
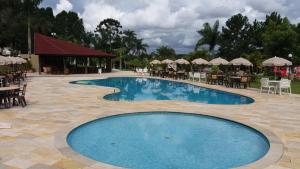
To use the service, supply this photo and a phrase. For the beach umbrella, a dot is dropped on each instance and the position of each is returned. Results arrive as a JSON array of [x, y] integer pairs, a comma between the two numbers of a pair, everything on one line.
[[182, 62], [218, 61], [240, 62], [167, 61], [277, 61], [20, 60], [155, 62], [4, 60], [200, 61]]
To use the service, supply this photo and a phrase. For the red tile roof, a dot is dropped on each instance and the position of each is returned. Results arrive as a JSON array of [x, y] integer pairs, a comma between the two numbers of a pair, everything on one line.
[[45, 45]]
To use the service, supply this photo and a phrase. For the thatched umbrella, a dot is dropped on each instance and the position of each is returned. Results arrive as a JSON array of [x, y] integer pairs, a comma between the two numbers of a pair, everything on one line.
[[218, 61], [200, 61], [240, 62], [277, 61], [182, 62], [5, 61], [167, 61], [155, 62]]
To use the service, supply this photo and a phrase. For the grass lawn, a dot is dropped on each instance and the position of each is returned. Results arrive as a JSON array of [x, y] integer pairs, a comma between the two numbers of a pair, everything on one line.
[[295, 85]]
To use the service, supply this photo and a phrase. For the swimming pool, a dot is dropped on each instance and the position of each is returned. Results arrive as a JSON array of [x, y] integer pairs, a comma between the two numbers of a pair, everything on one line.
[[168, 140], [140, 89]]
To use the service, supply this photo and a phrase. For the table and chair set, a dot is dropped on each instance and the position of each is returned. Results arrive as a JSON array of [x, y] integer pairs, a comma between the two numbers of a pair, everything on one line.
[[275, 86], [233, 81], [180, 74], [12, 90]]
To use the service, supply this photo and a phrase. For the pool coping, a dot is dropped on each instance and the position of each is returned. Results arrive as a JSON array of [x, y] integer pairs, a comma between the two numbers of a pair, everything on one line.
[[273, 155]]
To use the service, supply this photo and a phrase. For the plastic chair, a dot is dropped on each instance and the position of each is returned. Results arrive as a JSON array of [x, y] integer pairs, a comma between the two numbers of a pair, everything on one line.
[[285, 84], [264, 82]]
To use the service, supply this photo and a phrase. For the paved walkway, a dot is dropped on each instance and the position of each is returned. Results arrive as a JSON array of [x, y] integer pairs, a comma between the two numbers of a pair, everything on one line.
[[55, 105]]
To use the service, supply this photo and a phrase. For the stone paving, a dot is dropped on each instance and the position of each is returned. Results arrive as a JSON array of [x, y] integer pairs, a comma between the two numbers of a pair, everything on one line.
[[36, 139]]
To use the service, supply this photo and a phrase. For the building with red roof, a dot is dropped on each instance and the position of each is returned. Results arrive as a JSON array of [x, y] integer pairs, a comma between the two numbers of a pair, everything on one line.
[[59, 56]]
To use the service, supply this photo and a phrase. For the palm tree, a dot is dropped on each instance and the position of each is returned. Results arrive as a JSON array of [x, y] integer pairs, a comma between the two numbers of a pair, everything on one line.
[[140, 47], [209, 36], [30, 5]]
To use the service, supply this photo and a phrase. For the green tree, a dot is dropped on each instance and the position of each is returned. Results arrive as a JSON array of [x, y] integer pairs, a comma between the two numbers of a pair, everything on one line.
[[109, 31], [165, 52], [30, 5], [209, 36], [140, 47], [234, 38], [198, 54], [69, 26], [279, 38], [255, 36], [43, 21]]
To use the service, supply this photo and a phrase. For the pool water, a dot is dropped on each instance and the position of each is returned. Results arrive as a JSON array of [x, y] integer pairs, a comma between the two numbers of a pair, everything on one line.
[[168, 140], [141, 89]]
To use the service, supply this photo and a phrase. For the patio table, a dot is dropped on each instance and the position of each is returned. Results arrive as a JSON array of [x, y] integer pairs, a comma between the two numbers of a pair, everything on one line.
[[235, 81], [180, 74], [5, 94], [276, 83], [5, 89]]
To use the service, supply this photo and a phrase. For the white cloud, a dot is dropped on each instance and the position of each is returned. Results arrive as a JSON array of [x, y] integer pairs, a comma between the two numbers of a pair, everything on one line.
[[175, 22], [63, 5]]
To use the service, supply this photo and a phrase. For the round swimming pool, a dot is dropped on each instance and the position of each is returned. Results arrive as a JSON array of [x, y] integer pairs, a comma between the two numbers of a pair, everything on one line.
[[168, 140], [141, 89]]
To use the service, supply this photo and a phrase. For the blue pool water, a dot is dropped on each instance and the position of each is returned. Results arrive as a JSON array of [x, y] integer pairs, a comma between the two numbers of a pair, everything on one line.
[[138, 89], [165, 140]]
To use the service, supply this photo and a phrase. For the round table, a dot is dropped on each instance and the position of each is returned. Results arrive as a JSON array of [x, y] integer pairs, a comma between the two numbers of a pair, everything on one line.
[[5, 89]]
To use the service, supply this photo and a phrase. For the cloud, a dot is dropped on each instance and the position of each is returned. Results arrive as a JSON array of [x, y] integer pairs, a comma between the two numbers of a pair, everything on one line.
[[63, 5], [174, 22]]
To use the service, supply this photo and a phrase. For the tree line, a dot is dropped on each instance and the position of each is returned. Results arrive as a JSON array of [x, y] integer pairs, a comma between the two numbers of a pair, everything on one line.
[[108, 36], [257, 40]]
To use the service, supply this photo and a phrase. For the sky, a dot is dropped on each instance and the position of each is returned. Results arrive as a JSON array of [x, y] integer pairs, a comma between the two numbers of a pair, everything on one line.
[[172, 22]]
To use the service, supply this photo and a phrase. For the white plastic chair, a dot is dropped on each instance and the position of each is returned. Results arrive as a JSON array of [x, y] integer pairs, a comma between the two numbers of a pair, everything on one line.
[[145, 71], [285, 84], [264, 83], [197, 75], [191, 76], [202, 77]]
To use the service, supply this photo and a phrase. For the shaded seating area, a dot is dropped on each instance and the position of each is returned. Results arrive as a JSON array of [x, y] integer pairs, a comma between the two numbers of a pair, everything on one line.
[[13, 91], [12, 82], [57, 56], [215, 72]]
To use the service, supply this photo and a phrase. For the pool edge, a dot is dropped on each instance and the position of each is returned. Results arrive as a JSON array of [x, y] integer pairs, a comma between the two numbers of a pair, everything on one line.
[[171, 80], [271, 157]]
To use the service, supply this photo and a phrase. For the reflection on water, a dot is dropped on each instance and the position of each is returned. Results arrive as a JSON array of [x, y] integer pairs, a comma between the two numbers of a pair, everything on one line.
[[138, 89]]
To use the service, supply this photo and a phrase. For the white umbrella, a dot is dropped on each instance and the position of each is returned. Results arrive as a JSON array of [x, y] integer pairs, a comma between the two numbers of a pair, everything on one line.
[[155, 62], [200, 61], [21, 60], [182, 62], [167, 61], [218, 61], [277, 61], [241, 62], [4, 60], [16, 60]]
